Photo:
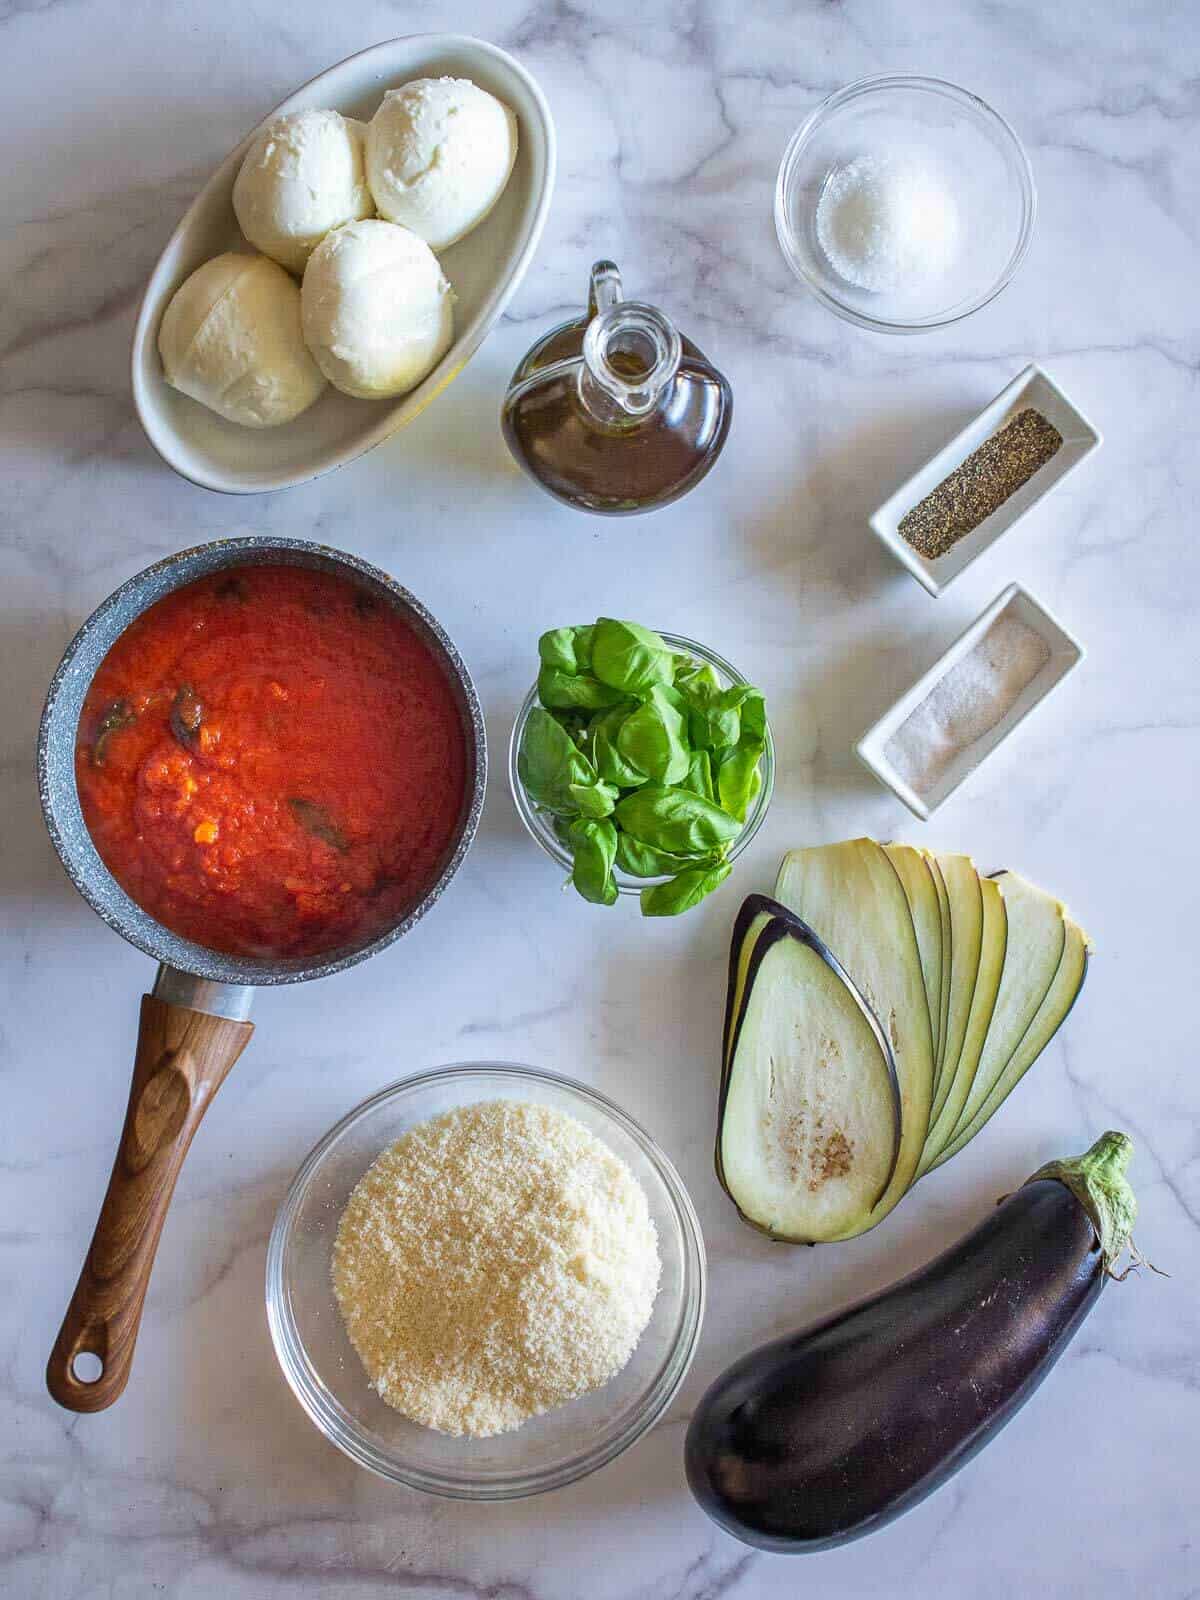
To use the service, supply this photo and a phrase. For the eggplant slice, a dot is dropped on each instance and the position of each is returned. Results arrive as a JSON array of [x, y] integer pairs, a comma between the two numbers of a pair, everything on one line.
[[851, 897], [965, 901], [756, 912], [1036, 941], [917, 881], [993, 951], [939, 883], [809, 1129], [1049, 1017]]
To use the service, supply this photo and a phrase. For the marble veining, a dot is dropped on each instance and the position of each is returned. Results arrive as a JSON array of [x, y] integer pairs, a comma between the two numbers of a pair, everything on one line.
[[206, 1479]]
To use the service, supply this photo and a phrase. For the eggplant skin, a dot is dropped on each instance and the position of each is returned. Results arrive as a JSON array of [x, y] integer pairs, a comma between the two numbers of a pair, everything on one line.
[[828, 1434]]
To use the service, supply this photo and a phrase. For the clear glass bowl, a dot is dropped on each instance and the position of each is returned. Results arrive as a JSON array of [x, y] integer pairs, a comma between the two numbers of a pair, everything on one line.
[[540, 825], [326, 1375], [958, 136]]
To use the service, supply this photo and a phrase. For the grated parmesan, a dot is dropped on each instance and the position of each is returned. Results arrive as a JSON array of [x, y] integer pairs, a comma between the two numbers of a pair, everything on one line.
[[495, 1262]]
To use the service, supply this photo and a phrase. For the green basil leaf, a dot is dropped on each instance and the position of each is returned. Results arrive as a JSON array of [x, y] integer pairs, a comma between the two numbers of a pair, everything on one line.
[[654, 739], [644, 861], [583, 646], [696, 680], [610, 763], [595, 845], [549, 762], [750, 706], [557, 649], [629, 657], [676, 820], [683, 891], [739, 778], [722, 720], [594, 799], [560, 691], [672, 696], [715, 727], [699, 776]]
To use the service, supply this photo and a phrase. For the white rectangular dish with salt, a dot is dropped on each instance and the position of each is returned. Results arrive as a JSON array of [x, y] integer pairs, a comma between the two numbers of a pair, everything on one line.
[[971, 699]]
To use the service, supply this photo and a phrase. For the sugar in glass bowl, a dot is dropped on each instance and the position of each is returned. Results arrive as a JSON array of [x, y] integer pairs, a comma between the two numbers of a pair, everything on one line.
[[328, 1378], [539, 824], [970, 156]]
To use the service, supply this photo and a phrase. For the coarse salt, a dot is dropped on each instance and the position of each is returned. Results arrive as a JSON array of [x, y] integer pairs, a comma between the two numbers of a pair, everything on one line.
[[975, 695], [887, 223]]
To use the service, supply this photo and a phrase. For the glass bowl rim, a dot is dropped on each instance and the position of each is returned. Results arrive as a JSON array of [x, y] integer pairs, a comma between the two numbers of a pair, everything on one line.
[[942, 87], [544, 836], [329, 1417]]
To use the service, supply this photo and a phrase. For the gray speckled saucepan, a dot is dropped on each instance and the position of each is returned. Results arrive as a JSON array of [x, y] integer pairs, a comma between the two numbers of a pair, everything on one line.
[[193, 1025]]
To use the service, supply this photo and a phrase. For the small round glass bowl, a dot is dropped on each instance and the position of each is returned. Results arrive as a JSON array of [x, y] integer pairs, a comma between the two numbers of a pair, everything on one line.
[[540, 824], [324, 1370], [962, 141]]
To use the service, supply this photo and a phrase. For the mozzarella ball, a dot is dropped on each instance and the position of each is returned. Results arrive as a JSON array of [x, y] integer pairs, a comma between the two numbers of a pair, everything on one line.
[[231, 339], [378, 314], [439, 153], [304, 174]]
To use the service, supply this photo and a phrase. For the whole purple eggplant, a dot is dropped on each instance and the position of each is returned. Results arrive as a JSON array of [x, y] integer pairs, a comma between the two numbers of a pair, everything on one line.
[[828, 1434]]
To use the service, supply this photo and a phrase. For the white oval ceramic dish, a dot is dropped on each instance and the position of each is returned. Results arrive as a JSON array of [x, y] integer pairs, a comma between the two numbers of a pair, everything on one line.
[[485, 269]]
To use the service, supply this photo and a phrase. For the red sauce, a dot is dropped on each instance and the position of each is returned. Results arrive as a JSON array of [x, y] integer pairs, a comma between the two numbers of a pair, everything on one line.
[[272, 763]]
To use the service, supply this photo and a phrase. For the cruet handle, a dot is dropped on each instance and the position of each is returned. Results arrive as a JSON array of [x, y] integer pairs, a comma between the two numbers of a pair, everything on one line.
[[604, 288]]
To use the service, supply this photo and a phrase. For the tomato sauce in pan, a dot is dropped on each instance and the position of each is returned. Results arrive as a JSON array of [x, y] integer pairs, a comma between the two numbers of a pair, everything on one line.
[[272, 763]]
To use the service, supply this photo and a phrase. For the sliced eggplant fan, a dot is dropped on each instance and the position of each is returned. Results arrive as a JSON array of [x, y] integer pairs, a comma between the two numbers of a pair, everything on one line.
[[879, 1012]]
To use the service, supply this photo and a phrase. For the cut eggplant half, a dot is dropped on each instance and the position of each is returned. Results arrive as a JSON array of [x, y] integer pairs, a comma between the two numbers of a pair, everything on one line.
[[1050, 1016], [917, 881], [1036, 940], [993, 949], [851, 897], [966, 940], [809, 1130]]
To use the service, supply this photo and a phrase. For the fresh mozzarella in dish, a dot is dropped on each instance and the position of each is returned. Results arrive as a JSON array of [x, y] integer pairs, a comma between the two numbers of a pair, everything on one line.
[[377, 310], [231, 339], [439, 153], [302, 176]]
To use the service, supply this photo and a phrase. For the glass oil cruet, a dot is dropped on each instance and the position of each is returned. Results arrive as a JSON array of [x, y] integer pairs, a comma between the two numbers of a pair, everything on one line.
[[616, 412]]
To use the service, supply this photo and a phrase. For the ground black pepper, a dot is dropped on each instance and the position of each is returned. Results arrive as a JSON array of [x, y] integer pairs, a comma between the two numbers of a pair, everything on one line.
[[982, 483]]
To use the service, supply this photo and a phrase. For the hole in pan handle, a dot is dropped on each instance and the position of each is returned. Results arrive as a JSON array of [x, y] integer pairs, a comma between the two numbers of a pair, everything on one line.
[[191, 1033]]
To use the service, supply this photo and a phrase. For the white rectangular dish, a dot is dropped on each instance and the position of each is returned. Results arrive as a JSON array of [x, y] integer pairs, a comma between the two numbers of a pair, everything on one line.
[[1033, 387], [484, 269], [877, 750]]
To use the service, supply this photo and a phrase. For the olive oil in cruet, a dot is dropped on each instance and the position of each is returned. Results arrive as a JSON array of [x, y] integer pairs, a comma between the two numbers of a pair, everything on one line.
[[616, 412]]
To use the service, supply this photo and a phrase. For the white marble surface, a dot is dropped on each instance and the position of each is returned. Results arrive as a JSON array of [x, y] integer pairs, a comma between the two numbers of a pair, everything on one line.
[[206, 1479]]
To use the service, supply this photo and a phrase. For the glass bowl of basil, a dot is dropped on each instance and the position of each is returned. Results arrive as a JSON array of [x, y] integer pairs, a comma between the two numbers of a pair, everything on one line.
[[642, 762]]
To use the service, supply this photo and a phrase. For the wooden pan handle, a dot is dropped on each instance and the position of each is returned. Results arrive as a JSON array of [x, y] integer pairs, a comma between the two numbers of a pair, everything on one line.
[[182, 1058]]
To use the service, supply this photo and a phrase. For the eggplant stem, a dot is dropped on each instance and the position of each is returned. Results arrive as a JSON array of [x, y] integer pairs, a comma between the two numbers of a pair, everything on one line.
[[1097, 1180], [1136, 1261]]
